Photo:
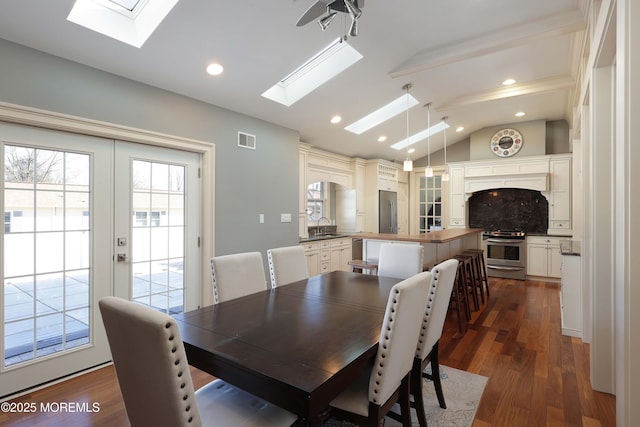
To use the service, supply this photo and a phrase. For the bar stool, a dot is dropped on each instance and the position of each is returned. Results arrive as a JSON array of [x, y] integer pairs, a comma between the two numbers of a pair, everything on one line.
[[483, 268], [469, 278], [477, 272], [361, 266], [459, 300]]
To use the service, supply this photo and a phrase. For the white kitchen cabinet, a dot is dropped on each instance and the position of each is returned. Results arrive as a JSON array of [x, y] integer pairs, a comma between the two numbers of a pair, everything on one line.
[[403, 208], [543, 256], [571, 296], [327, 255], [457, 211], [302, 191], [360, 177], [380, 175], [318, 256], [340, 254], [312, 255], [560, 195]]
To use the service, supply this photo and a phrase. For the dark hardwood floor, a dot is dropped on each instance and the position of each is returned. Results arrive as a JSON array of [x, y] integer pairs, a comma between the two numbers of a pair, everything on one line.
[[537, 376]]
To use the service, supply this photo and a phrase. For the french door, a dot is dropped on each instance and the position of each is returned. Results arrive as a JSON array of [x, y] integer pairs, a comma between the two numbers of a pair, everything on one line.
[[156, 229], [86, 217]]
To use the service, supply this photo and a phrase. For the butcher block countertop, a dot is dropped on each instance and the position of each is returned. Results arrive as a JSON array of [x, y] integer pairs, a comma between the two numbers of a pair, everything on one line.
[[442, 236]]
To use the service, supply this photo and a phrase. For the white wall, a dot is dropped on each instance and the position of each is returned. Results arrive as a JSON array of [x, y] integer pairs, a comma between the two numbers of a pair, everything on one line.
[[248, 182]]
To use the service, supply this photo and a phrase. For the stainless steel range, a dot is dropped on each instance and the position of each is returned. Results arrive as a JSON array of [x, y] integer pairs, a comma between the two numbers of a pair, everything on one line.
[[506, 253]]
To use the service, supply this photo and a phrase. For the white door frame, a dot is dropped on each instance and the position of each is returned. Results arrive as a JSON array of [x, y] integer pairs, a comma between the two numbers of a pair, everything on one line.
[[35, 117]]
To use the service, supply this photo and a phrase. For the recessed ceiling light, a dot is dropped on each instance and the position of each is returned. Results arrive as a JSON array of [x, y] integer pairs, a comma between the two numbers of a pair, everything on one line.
[[321, 68], [411, 150], [508, 82], [382, 114], [459, 128], [382, 138], [336, 119], [519, 114], [215, 69]]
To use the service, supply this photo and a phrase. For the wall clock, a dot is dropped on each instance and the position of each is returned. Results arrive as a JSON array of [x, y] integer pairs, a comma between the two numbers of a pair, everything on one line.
[[506, 142]]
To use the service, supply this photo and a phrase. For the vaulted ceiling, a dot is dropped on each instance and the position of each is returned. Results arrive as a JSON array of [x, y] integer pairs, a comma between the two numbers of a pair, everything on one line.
[[456, 53]]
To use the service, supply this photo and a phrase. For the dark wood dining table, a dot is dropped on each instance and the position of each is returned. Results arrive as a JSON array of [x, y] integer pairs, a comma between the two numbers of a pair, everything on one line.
[[297, 346]]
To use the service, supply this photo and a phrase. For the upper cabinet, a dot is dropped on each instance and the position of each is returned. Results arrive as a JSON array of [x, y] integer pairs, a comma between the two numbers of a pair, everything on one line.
[[381, 175], [357, 191], [560, 195], [457, 209], [551, 175]]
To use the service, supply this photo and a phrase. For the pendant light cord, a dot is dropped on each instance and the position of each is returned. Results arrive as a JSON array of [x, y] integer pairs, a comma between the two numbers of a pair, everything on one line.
[[444, 120], [428, 134], [408, 164]]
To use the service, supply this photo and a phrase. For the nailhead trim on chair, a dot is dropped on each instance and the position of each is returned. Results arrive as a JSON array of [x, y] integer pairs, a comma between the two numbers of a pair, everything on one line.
[[433, 286], [216, 298], [169, 326], [272, 271], [383, 354]]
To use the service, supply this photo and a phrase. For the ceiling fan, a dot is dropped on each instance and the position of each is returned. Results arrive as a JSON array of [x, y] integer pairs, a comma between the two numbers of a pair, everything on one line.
[[330, 8]]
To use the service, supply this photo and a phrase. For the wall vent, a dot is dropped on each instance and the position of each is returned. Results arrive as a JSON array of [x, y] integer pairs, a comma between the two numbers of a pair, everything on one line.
[[246, 140]]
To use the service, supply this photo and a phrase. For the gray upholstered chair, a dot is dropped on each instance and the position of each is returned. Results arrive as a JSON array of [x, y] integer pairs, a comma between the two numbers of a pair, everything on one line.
[[287, 265], [443, 277], [400, 260], [367, 400], [237, 275], [155, 381]]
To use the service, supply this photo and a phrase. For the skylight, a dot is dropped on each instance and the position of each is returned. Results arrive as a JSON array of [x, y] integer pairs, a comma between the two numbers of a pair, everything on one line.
[[382, 114], [439, 127], [321, 68], [129, 21], [127, 4]]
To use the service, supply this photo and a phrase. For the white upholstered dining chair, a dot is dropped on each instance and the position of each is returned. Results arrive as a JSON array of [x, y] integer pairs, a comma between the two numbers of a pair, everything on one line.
[[237, 275], [287, 265], [367, 400], [443, 277], [155, 381], [400, 260]]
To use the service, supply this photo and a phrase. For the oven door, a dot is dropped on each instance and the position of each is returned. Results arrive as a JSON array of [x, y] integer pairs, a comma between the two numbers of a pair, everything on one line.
[[505, 257]]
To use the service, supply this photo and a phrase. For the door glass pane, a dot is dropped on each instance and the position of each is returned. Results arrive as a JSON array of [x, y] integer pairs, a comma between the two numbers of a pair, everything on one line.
[[430, 209], [47, 203], [158, 235]]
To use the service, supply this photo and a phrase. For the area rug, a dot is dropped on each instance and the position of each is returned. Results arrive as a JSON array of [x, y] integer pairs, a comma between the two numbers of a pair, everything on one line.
[[462, 392]]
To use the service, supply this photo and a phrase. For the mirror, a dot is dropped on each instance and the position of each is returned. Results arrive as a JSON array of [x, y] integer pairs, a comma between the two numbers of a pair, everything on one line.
[[331, 204]]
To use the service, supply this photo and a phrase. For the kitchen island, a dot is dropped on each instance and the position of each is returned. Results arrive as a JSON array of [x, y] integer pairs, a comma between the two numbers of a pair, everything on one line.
[[438, 245]]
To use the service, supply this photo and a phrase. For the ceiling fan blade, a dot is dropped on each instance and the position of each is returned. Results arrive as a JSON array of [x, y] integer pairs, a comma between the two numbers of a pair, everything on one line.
[[341, 7], [314, 12]]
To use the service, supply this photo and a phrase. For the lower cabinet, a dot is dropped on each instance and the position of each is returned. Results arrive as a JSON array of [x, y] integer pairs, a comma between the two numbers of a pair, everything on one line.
[[543, 256], [571, 296], [340, 254], [327, 255]]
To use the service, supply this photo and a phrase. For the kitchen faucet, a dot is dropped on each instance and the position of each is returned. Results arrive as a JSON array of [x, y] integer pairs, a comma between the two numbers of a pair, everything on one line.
[[324, 229]]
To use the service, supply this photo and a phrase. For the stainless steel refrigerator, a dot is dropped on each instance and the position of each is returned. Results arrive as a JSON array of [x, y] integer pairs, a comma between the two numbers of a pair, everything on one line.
[[388, 212]]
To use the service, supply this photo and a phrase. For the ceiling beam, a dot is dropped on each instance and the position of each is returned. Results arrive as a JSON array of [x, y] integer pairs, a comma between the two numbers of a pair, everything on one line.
[[562, 23], [539, 86]]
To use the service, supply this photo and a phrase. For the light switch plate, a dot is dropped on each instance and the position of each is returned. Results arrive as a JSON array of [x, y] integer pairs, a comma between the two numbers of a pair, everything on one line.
[[261, 218], [285, 217]]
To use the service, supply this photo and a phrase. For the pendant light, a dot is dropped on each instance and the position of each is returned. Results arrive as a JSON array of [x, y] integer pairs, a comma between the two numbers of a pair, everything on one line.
[[428, 171], [445, 174], [408, 163]]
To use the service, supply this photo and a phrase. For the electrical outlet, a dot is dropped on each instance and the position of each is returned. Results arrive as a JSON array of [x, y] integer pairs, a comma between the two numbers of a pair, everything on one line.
[[261, 219], [285, 217]]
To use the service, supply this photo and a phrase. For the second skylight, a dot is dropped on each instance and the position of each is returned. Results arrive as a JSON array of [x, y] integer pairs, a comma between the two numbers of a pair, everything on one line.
[[382, 114]]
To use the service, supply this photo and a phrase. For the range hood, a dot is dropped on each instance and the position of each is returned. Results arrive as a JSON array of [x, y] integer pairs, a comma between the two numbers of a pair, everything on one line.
[[530, 175]]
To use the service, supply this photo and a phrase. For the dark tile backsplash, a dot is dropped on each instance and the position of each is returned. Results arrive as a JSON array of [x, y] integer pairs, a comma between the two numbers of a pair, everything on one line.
[[509, 209]]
